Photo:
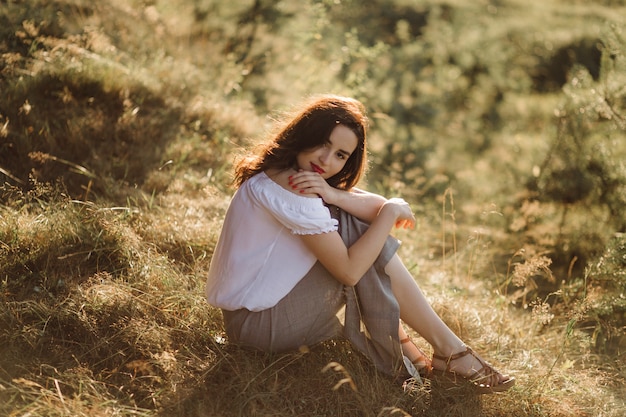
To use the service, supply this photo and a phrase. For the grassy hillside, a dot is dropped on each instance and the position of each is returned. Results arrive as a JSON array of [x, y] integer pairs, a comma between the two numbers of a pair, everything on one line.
[[502, 122]]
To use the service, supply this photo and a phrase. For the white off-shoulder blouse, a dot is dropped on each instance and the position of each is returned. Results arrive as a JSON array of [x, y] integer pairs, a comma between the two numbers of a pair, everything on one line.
[[259, 257]]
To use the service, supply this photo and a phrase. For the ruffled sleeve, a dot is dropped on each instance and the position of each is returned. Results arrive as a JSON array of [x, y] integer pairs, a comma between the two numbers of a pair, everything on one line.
[[301, 215]]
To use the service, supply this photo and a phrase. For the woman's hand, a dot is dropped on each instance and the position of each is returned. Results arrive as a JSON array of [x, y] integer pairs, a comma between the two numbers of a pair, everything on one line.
[[348, 264], [365, 206], [312, 184], [401, 210]]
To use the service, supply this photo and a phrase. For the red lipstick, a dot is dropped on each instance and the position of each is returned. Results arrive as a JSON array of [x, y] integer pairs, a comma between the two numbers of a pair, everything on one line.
[[317, 169]]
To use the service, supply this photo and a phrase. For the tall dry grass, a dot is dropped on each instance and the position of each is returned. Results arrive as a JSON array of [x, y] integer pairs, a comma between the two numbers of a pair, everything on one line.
[[119, 122]]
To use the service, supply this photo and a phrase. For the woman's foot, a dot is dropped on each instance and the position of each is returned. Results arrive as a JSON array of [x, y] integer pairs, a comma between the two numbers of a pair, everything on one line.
[[418, 358], [470, 367]]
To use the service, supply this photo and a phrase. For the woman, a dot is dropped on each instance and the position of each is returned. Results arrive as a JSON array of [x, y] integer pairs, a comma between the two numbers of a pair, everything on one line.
[[304, 256]]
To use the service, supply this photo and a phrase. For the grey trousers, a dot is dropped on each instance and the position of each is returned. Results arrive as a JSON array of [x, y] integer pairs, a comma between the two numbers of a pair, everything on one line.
[[320, 308]]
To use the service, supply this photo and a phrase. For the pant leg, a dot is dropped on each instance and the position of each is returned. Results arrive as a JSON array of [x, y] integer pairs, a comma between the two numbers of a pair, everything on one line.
[[305, 316], [308, 314], [372, 311]]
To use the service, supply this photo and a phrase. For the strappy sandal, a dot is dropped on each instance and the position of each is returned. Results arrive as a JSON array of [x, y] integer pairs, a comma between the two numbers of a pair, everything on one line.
[[479, 379], [423, 365]]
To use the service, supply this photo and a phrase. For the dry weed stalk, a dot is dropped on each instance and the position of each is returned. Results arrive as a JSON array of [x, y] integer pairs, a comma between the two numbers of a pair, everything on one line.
[[347, 378], [450, 195]]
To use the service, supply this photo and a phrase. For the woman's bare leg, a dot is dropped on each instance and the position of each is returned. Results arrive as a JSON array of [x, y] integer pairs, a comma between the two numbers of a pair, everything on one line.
[[411, 351], [416, 312]]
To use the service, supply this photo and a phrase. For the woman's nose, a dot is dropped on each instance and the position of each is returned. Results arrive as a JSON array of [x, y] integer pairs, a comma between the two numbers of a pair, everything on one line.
[[324, 156]]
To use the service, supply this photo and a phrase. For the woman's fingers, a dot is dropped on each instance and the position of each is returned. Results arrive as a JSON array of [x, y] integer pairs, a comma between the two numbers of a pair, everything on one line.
[[309, 182], [406, 219], [405, 224]]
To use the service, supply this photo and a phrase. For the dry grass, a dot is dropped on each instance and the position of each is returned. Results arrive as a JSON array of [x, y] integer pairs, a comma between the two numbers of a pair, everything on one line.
[[141, 340], [118, 127]]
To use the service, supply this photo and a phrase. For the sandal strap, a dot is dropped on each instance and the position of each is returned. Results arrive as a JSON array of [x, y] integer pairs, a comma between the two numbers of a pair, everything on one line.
[[423, 364], [483, 380], [483, 373], [448, 359], [454, 356]]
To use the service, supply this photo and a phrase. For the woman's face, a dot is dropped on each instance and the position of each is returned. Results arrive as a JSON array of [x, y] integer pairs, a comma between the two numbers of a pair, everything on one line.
[[330, 158]]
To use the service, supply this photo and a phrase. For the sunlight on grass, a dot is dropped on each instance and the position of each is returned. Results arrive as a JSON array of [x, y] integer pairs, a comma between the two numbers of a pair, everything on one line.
[[502, 124]]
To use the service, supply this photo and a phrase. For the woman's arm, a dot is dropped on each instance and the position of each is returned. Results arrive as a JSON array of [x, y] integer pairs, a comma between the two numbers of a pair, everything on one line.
[[348, 265], [361, 204]]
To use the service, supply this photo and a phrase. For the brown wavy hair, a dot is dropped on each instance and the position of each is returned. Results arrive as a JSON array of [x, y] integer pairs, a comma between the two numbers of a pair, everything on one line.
[[309, 128]]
